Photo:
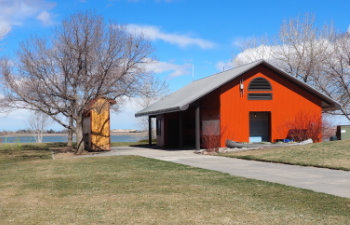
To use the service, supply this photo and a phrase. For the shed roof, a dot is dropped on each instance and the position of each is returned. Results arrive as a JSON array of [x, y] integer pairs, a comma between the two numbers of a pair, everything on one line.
[[182, 98]]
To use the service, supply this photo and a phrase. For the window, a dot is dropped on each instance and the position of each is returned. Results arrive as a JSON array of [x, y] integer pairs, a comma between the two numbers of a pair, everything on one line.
[[159, 127], [259, 84]]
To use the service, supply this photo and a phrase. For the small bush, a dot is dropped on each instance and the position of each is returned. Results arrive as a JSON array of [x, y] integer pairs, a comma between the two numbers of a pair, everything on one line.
[[305, 126], [211, 142], [211, 135]]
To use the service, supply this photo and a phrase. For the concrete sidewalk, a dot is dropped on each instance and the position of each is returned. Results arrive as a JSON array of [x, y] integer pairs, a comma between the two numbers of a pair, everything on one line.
[[333, 182]]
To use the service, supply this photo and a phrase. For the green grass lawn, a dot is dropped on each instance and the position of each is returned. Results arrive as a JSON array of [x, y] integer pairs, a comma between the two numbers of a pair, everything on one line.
[[334, 155], [136, 190]]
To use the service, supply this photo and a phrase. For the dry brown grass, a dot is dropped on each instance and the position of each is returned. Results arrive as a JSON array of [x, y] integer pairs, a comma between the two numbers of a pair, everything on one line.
[[135, 190], [334, 155]]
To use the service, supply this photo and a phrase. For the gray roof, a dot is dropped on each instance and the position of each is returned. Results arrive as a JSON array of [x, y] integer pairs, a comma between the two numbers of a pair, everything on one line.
[[182, 98]]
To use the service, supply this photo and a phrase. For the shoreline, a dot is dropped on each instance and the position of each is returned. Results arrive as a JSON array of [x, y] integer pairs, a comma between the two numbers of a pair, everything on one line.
[[141, 133]]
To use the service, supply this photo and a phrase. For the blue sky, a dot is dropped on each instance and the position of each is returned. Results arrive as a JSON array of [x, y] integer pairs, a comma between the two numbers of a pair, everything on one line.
[[204, 34]]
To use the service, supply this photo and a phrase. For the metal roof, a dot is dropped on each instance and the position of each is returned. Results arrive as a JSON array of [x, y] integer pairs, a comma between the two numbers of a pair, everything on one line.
[[182, 98]]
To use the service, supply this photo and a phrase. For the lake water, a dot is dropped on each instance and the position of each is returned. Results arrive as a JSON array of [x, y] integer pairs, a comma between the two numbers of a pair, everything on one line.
[[47, 139]]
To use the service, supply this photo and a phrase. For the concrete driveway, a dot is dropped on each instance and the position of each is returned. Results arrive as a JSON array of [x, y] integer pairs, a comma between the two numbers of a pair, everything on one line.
[[328, 181]]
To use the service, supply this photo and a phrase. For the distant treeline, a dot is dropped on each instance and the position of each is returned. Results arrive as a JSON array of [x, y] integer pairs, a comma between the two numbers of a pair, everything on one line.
[[28, 131]]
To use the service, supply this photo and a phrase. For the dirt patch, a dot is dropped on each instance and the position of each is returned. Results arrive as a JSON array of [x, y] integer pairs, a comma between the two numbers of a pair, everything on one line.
[[64, 155], [70, 154]]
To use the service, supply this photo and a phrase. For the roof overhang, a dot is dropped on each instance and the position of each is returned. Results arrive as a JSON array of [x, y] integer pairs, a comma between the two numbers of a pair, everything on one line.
[[162, 111], [327, 103], [157, 112]]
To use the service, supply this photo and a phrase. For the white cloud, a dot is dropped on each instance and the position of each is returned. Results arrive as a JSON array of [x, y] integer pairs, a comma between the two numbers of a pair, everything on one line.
[[175, 70], [349, 29], [253, 54], [222, 66], [269, 52], [17, 114], [45, 18], [16, 12], [238, 42], [5, 28], [125, 118], [154, 33]]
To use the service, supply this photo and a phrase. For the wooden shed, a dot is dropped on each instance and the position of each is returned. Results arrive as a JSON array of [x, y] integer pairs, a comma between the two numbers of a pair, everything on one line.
[[96, 124], [256, 102]]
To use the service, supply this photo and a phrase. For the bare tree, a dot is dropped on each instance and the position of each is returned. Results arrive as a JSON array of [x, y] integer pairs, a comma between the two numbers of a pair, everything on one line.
[[4, 104], [303, 47], [317, 56], [38, 123], [300, 48], [85, 59], [153, 90], [334, 79], [254, 49]]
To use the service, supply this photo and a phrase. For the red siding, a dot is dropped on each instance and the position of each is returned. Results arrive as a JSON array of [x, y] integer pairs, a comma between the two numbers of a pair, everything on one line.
[[210, 106], [289, 102], [210, 119]]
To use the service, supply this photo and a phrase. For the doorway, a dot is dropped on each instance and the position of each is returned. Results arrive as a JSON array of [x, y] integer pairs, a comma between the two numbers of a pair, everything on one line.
[[259, 126], [173, 133]]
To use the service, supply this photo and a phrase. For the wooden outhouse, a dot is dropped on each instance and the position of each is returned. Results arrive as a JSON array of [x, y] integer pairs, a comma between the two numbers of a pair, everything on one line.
[[96, 124]]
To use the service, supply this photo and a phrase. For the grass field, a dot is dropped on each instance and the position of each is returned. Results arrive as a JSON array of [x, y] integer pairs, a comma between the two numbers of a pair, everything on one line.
[[333, 155], [29, 151], [141, 142], [136, 190], [21, 151]]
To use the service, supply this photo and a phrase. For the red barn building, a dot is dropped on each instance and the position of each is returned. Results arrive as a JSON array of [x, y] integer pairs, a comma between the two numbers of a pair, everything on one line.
[[251, 103]]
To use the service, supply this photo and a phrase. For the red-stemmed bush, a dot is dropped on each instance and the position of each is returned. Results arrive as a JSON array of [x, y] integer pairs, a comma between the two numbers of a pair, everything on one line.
[[211, 135], [305, 126]]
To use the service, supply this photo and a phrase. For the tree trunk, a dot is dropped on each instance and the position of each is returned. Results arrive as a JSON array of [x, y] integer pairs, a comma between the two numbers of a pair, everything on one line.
[[40, 137], [79, 136], [70, 138], [70, 133]]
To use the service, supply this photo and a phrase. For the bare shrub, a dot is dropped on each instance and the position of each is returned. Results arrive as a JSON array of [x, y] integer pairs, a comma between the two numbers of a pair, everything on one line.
[[38, 123], [211, 135], [328, 129], [305, 126]]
